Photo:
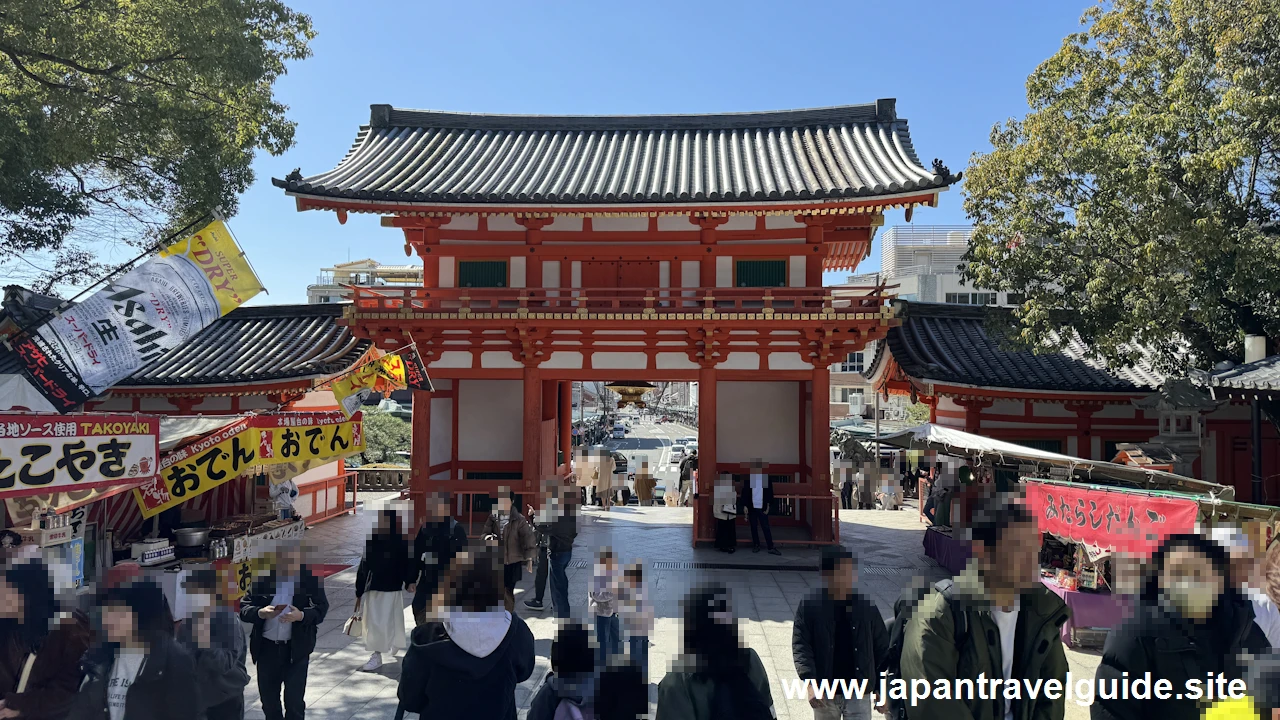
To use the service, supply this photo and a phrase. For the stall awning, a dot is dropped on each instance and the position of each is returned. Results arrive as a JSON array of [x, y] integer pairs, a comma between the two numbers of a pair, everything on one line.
[[931, 436], [175, 430], [1110, 519]]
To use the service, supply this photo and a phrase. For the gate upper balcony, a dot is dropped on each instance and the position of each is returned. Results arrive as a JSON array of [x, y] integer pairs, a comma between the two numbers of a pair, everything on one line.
[[497, 307]]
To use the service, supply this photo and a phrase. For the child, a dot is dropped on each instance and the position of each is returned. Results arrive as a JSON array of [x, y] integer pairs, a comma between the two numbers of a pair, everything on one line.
[[637, 617], [572, 679], [603, 601]]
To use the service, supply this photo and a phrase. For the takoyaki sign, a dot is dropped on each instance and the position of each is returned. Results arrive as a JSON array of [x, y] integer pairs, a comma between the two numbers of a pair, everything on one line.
[[58, 453]]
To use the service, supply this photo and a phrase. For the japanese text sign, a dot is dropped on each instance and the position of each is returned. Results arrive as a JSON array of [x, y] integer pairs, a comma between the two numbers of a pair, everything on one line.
[[1113, 520], [389, 372], [54, 453], [258, 440], [137, 317]]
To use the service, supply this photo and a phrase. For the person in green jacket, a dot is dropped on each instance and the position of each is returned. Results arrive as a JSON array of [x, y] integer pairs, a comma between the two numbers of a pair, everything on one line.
[[996, 621], [717, 677]]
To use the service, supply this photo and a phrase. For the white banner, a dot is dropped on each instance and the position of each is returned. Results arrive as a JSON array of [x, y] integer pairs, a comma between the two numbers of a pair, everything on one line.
[[42, 454], [138, 317]]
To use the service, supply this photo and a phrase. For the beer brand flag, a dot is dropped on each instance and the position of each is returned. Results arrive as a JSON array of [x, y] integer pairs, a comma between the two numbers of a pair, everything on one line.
[[389, 372], [137, 318]]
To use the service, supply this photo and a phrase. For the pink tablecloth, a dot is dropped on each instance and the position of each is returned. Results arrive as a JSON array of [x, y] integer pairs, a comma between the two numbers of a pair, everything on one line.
[[1088, 609]]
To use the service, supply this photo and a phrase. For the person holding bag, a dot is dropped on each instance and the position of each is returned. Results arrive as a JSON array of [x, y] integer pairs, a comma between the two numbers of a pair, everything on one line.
[[725, 510], [384, 571], [39, 655]]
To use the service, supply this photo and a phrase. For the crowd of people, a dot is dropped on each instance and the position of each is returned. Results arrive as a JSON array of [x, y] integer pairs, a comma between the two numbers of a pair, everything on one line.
[[1206, 610]]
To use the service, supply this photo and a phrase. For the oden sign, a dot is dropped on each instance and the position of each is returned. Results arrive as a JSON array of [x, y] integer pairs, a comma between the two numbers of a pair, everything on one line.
[[138, 317]]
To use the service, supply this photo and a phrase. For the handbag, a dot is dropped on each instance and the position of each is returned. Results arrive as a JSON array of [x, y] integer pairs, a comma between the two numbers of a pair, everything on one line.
[[354, 626], [729, 509]]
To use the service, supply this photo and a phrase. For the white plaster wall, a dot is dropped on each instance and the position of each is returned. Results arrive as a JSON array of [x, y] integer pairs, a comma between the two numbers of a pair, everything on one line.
[[795, 270], [550, 273], [674, 361], [447, 272], [619, 361], [788, 361], [575, 274], [323, 472], [1113, 412], [1004, 407], [452, 359], [517, 273], [739, 222], [113, 404], [223, 404], [757, 420], [563, 360], [724, 271], [1073, 446], [441, 431], [740, 361], [1209, 457], [568, 224], [1095, 448], [616, 224], [690, 273], [256, 402], [504, 222], [675, 222], [779, 222], [490, 420], [462, 222], [498, 359], [664, 274], [1042, 409]]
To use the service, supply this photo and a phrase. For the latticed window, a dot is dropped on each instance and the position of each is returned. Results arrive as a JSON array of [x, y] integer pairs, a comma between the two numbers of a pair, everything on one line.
[[482, 273], [761, 273]]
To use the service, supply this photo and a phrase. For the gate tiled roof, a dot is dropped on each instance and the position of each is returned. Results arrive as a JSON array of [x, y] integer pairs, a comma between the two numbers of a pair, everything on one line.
[[846, 152]]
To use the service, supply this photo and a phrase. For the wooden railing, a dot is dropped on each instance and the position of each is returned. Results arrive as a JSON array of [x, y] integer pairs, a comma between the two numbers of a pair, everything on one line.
[[625, 300]]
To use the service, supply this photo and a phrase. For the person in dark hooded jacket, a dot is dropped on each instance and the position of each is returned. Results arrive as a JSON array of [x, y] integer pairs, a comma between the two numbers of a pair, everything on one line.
[[31, 633], [572, 680], [139, 671], [215, 638], [466, 662], [1190, 624]]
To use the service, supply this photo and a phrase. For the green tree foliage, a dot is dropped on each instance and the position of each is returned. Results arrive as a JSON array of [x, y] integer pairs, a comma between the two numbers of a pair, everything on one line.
[[1139, 200], [384, 435], [121, 119], [917, 414]]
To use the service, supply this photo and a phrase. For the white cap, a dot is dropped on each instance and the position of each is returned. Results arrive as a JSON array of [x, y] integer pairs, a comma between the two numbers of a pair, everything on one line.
[[1229, 538]]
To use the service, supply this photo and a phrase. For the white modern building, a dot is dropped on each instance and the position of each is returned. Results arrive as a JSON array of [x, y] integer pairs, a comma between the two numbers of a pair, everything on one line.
[[330, 284]]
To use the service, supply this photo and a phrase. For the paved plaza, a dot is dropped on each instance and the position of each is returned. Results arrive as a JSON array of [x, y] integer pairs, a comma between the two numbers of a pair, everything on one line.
[[766, 590]]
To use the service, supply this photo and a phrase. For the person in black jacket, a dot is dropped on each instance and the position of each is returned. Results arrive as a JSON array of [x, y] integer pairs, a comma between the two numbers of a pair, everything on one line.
[[467, 665], [215, 639], [438, 541], [31, 632], [285, 608], [385, 570], [138, 671], [838, 634], [1189, 625], [757, 495]]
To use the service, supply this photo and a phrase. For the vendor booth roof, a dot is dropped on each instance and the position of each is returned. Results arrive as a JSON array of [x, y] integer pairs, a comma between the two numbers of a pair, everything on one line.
[[256, 344], [175, 430], [950, 441], [951, 343]]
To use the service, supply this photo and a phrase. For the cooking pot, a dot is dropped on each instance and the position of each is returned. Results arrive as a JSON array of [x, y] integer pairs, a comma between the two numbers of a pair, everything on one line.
[[191, 537]]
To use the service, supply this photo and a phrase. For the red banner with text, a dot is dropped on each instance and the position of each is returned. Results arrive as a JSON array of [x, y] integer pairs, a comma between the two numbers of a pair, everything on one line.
[[1127, 522]]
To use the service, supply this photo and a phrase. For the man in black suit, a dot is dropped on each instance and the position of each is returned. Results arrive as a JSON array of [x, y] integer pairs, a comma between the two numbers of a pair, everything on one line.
[[284, 608]]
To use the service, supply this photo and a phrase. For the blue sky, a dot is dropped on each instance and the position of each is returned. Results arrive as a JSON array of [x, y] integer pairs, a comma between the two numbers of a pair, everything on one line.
[[956, 68]]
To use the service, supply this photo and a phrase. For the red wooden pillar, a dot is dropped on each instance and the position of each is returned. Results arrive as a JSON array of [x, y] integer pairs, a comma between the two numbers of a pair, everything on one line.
[[533, 238], [815, 228], [420, 455], [819, 428], [425, 239], [707, 471], [566, 424], [532, 455], [707, 265]]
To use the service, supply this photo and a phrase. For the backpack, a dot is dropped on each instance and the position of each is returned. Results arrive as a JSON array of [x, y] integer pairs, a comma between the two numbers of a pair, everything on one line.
[[903, 609]]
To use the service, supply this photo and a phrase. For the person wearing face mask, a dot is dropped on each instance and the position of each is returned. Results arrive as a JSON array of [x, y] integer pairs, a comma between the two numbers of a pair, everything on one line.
[[214, 638], [39, 651], [1248, 575], [1190, 623], [507, 528]]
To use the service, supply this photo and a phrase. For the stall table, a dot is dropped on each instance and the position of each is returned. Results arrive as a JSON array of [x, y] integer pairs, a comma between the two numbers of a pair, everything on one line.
[[946, 550], [1089, 609]]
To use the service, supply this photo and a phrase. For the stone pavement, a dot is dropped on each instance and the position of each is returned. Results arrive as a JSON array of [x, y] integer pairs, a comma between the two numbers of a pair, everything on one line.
[[766, 590]]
